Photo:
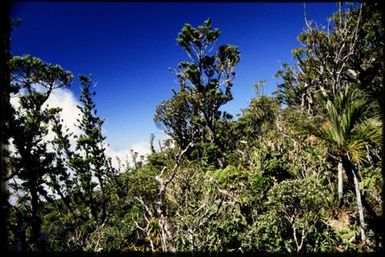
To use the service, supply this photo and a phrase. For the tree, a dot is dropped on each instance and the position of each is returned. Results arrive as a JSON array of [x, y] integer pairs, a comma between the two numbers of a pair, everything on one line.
[[157, 215], [258, 118], [5, 116], [292, 91], [174, 117], [80, 179], [367, 69], [89, 160], [351, 125], [325, 60], [298, 205], [34, 80], [346, 52], [205, 85]]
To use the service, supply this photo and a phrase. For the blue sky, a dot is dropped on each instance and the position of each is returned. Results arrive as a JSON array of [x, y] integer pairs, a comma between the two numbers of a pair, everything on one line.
[[129, 47]]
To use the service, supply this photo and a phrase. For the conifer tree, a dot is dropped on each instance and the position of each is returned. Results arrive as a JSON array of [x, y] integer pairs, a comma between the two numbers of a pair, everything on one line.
[[89, 161], [34, 80]]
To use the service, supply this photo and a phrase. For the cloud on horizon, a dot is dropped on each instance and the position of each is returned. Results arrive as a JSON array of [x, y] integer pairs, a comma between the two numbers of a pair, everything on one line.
[[66, 100]]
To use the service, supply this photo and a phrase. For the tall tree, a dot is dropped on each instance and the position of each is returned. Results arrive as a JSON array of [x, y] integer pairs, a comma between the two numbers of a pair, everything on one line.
[[349, 51], [351, 125], [5, 116], [89, 161], [205, 86], [367, 70], [34, 80]]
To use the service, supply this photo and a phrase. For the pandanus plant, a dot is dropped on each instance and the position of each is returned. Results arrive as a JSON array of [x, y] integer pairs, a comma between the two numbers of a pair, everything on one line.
[[352, 124]]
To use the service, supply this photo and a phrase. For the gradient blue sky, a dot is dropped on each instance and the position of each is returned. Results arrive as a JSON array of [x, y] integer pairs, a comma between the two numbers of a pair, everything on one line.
[[128, 48]]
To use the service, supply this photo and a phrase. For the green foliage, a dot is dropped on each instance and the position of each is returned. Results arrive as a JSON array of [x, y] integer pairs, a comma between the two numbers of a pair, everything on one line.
[[290, 91], [258, 118], [192, 114], [351, 124], [174, 117], [266, 181], [34, 80], [292, 205]]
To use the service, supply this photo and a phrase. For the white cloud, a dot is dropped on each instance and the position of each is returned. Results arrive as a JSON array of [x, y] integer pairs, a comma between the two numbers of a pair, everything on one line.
[[125, 155], [65, 99]]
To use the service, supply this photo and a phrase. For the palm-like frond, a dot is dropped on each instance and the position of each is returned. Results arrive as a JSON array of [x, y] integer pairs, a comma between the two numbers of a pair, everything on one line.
[[351, 125], [333, 131], [364, 133]]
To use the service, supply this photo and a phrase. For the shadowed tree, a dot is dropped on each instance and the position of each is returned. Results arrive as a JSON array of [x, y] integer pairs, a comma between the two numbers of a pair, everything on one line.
[[34, 80], [5, 116]]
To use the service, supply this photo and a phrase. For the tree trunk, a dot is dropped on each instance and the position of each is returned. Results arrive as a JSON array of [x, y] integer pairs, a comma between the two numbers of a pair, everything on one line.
[[21, 226], [164, 225], [302, 102], [104, 211], [94, 212], [382, 219], [359, 206], [340, 182], [382, 108], [4, 116], [350, 172], [35, 215]]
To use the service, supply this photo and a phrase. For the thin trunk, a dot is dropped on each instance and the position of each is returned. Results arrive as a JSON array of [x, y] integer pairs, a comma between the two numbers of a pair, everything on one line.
[[21, 226], [104, 212], [382, 223], [350, 172], [4, 117], [35, 215], [163, 220], [165, 227], [90, 190], [381, 98], [359, 206], [340, 182], [302, 102], [94, 213]]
